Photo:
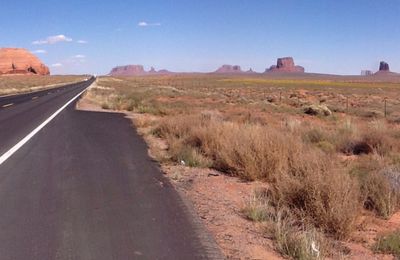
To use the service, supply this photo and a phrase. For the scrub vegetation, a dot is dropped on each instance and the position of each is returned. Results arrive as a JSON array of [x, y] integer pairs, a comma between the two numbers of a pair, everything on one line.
[[323, 169]]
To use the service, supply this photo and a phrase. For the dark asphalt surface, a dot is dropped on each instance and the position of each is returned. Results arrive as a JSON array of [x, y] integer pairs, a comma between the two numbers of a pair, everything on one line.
[[85, 188]]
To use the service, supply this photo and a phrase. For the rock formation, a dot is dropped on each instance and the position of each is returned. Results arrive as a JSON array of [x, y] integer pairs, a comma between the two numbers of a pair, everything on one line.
[[20, 61], [384, 66], [128, 70], [251, 71], [384, 69], [232, 69], [229, 69], [285, 64], [136, 70]]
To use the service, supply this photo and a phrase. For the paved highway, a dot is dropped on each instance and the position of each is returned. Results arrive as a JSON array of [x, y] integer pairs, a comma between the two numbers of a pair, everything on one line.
[[81, 186]]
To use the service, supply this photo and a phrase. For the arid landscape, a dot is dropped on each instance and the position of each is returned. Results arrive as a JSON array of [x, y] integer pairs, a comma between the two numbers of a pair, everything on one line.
[[185, 130], [275, 165]]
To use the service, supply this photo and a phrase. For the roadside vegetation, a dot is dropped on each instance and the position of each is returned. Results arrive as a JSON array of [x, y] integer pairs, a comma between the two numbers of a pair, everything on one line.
[[324, 170], [15, 84], [389, 243]]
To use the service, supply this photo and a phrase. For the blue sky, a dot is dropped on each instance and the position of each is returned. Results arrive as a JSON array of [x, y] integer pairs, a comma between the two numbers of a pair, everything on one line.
[[325, 36]]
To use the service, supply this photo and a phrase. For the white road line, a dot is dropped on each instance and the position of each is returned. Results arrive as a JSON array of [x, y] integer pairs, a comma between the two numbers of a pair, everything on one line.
[[8, 105], [16, 147]]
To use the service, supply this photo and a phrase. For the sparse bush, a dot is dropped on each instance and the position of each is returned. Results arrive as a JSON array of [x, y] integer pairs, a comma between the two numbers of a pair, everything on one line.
[[379, 141], [292, 238], [326, 146], [257, 208], [315, 191], [314, 136], [105, 106], [389, 244], [303, 178], [189, 156], [379, 184]]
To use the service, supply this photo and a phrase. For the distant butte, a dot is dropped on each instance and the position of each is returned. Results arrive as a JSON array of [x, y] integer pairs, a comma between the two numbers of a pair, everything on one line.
[[136, 70], [384, 69], [384, 66], [21, 61], [285, 64]]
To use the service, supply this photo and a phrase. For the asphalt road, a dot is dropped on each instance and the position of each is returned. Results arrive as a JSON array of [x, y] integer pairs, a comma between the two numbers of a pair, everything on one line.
[[84, 188]]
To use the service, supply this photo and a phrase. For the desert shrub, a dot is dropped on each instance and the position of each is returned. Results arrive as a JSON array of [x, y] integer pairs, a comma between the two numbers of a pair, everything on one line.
[[327, 198], [379, 184], [105, 105], [368, 142], [292, 238], [150, 109], [378, 140], [379, 195], [257, 208], [326, 146], [314, 135], [289, 241], [303, 178], [346, 137], [187, 155], [248, 151], [389, 244]]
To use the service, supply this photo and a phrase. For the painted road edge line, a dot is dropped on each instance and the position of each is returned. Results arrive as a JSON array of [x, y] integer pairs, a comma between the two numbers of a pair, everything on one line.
[[8, 105], [24, 140]]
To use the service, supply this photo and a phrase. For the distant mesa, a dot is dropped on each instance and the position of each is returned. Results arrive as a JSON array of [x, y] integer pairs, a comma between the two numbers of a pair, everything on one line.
[[229, 69], [285, 64], [136, 70], [21, 61], [128, 70], [232, 69]]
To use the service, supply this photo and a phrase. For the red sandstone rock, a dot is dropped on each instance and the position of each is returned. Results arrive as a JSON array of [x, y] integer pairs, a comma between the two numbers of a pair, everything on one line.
[[20, 61], [285, 65]]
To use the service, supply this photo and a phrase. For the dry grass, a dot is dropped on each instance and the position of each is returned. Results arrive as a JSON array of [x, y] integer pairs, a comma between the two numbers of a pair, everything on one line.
[[303, 179], [389, 244], [321, 169], [293, 238], [21, 84]]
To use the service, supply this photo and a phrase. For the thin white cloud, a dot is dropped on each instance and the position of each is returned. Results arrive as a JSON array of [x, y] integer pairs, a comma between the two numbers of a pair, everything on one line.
[[53, 39], [81, 41], [39, 51], [146, 24], [79, 56], [56, 65]]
